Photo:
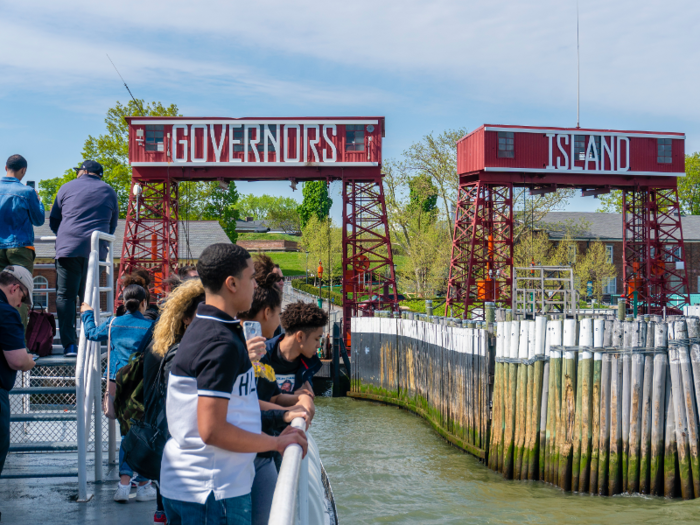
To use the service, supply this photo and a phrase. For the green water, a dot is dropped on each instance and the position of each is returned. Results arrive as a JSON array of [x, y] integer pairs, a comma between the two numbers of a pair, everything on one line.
[[387, 465]]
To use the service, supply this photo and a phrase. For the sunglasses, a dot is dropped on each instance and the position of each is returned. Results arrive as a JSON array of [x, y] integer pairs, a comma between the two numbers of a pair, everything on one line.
[[25, 294]]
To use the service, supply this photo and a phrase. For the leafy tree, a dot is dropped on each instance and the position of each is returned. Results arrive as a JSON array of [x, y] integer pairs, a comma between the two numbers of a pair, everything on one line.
[[688, 190], [316, 201], [281, 212], [319, 237]]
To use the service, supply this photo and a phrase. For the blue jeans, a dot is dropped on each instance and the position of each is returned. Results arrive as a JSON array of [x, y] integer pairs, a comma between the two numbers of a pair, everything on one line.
[[124, 468], [231, 511]]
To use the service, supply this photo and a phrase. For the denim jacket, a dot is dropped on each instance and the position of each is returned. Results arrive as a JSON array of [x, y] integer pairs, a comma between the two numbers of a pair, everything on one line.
[[20, 208], [127, 332]]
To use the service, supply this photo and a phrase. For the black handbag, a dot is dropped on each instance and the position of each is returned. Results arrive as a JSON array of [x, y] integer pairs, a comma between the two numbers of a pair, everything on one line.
[[144, 442]]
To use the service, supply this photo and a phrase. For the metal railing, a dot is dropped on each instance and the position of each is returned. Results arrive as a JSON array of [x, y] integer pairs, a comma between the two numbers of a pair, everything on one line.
[[88, 370], [290, 503]]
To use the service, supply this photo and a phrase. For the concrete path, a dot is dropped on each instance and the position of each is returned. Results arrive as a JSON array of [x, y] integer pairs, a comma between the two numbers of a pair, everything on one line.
[[52, 501]]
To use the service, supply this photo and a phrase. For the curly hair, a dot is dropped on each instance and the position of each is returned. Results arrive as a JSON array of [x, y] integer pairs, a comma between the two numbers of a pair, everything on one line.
[[303, 317], [267, 294], [181, 304], [265, 271], [140, 277]]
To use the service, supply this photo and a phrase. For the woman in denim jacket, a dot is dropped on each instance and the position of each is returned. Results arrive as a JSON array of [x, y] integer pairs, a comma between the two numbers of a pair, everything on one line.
[[128, 331]]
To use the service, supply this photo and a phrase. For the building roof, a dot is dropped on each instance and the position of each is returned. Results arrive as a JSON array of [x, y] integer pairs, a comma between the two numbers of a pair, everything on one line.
[[200, 234], [606, 226]]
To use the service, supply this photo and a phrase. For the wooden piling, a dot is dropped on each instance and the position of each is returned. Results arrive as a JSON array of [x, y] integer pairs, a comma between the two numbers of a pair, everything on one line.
[[533, 470], [691, 415], [508, 452], [615, 455], [637, 383], [626, 398], [585, 366], [568, 406], [658, 411], [555, 330], [647, 408], [598, 339], [521, 397], [671, 471]]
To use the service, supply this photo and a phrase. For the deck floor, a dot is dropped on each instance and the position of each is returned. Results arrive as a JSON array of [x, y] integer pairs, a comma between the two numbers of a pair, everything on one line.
[[54, 500]]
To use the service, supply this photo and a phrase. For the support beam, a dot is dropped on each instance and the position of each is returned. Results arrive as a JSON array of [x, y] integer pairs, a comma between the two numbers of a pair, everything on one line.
[[595, 191]]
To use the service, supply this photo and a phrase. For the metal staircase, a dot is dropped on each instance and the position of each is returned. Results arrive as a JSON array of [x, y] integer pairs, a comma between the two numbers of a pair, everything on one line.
[[52, 404]]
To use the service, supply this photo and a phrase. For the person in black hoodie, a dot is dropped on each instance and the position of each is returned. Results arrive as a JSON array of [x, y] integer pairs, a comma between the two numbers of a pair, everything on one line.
[[175, 317]]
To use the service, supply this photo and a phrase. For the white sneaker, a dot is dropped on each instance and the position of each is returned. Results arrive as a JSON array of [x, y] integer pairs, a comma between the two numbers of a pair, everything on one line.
[[145, 492], [122, 493]]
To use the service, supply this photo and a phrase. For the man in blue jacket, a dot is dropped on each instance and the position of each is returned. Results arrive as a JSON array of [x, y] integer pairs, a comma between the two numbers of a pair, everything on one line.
[[20, 208], [82, 206]]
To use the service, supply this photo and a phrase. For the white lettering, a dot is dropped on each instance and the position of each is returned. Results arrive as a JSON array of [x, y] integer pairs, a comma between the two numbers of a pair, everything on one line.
[[591, 149], [627, 153], [610, 152], [233, 142], [573, 154], [550, 136], [275, 139], [312, 143], [193, 143], [253, 143], [561, 166], [329, 142], [297, 140], [218, 147], [176, 142]]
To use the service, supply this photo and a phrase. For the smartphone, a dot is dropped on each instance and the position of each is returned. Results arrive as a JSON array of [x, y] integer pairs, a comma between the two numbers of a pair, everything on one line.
[[251, 329], [35, 356], [31, 184]]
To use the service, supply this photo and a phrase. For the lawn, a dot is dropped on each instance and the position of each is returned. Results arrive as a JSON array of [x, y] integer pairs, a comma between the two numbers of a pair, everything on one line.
[[294, 263], [268, 237]]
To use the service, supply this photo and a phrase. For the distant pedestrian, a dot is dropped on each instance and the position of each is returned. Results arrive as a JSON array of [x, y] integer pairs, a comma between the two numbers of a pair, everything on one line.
[[125, 334], [20, 209], [280, 283], [16, 288], [82, 206], [187, 272]]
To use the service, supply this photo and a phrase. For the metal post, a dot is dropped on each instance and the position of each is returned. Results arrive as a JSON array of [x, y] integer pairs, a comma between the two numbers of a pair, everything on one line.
[[336, 361]]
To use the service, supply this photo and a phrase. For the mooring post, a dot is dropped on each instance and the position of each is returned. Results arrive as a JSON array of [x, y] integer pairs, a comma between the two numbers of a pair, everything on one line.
[[684, 461], [658, 410]]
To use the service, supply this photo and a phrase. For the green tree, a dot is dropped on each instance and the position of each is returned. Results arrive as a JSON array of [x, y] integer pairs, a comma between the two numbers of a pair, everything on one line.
[[316, 201], [688, 190], [111, 150], [321, 238], [281, 212]]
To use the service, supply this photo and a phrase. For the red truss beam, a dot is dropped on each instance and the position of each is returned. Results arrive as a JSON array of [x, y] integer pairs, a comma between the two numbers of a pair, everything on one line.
[[653, 249], [369, 280], [482, 248], [151, 233]]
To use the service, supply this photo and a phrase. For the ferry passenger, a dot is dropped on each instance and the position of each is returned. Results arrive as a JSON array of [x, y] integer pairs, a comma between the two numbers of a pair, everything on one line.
[[127, 332], [175, 316], [212, 404], [293, 354]]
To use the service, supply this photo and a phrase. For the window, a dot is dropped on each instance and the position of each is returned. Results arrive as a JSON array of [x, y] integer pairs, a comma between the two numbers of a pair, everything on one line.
[[609, 252], [40, 296], [610, 285], [354, 138], [154, 138], [673, 253], [506, 145], [664, 154], [580, 145], [572, 252]]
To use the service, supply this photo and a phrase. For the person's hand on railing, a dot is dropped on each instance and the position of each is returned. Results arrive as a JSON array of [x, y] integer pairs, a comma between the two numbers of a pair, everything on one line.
[[307, 402], [256, 348], [292, 436], [85, 308], [297, 411]]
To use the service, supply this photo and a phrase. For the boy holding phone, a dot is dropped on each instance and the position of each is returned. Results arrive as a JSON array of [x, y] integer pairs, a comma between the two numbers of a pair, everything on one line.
[[212, 403]]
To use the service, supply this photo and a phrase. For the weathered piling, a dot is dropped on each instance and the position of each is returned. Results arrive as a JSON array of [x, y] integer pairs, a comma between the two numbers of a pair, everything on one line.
[[671, 474], [585, 366], [658, 410], [637, 383], [568, 411], [598, 340], [521, 413], [496, 422], [508, 452], [680, 327], [684, 469], [626, 398], [536, 352], [554, 334], [615, 447], [542, 443], [647, 409]]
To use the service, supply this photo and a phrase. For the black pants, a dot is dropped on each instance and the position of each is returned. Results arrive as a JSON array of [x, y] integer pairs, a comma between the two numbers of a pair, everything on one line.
[[71, 275], [4, 426]]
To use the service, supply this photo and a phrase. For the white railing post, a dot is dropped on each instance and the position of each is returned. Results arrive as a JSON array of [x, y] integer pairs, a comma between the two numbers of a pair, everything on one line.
[[287, 506]]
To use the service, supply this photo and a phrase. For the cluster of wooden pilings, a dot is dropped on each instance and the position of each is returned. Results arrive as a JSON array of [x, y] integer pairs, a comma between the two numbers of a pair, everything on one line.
[[599, 405]]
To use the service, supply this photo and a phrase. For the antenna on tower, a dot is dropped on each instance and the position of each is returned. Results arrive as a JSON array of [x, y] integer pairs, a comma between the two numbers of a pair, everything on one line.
[[578, 74], [138, 104]]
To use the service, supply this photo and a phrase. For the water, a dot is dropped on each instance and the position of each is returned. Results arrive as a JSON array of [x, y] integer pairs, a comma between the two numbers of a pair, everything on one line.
[[387, 465]]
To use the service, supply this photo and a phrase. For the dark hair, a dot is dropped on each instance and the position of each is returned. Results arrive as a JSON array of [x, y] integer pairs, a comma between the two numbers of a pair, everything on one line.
[[264, 297], [303, 317], [171, 282], [140, 277], [277, 266], [7, 279], [16, 162], [182, 271], [265, 271], [133, 296], [220, 261]]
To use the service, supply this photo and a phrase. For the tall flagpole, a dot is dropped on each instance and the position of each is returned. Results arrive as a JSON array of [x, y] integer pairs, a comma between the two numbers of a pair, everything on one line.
[[578, 74]]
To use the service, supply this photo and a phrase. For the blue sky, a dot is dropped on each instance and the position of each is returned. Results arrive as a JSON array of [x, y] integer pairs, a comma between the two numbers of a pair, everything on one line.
[[426, 66]]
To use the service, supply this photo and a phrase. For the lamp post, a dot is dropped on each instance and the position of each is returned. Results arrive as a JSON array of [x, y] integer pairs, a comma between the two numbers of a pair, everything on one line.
[[307, 267]]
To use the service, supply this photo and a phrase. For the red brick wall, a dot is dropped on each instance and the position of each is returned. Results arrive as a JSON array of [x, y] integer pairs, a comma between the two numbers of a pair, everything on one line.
[[269, 246]]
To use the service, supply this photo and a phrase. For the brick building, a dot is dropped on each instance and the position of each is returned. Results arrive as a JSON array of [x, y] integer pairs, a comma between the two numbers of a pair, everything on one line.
[[194, 236], [607, 228]]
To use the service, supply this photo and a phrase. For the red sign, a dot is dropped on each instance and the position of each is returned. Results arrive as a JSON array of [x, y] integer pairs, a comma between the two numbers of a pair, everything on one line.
[[571, 151]]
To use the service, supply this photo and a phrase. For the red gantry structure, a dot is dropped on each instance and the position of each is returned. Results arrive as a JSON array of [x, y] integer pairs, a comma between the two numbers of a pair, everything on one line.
[[494, 159], [164, 151]]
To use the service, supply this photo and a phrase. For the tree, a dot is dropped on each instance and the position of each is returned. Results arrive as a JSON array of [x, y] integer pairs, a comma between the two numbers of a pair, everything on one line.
[[111, 150], [595, 267], [280, 212], [316, 201], [688, 190], [221, 205], [321, 238]]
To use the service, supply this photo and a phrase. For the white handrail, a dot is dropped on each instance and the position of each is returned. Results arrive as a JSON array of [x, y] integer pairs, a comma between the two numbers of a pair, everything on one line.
[[88, 370], [290, 503]]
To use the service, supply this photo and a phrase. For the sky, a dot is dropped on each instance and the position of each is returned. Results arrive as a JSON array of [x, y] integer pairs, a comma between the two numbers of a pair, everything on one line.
[[426, 66]]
